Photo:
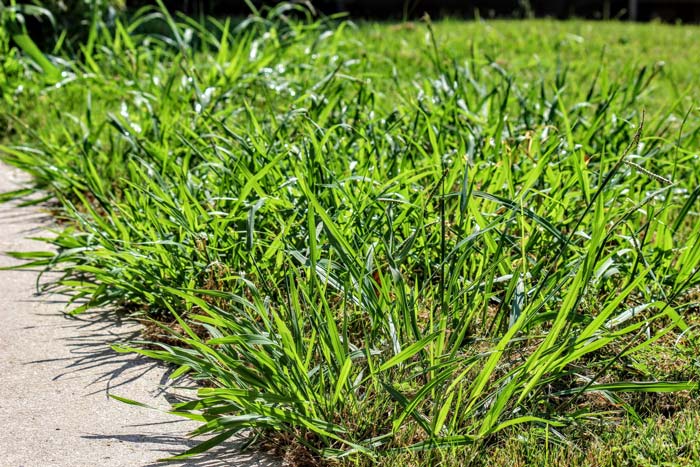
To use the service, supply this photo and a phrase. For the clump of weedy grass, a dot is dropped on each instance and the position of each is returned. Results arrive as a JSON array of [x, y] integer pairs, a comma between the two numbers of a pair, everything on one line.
[[363, 270]]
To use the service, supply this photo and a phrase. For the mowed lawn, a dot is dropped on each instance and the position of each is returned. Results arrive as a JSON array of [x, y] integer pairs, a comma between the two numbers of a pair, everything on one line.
[[421, 243]]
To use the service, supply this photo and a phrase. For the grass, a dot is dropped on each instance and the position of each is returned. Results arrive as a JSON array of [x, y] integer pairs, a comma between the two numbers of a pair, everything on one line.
[[376, 244]]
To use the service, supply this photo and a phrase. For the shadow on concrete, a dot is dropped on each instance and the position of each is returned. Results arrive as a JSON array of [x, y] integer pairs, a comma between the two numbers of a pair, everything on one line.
[[93, 367], [91, 337], [90, 346], [224, 455]]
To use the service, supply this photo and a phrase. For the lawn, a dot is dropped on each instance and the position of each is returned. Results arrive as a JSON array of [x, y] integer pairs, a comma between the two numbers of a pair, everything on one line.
[[464, 243]]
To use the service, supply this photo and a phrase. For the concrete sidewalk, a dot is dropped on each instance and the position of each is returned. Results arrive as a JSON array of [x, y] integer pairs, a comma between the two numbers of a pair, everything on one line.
[[56, 373]]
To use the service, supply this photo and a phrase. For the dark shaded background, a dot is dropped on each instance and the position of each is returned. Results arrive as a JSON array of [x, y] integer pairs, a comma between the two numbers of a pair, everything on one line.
[[72, 18], [642, 10]]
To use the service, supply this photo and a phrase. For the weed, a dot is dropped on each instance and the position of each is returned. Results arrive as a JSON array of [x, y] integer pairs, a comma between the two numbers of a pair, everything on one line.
[[405, 253]]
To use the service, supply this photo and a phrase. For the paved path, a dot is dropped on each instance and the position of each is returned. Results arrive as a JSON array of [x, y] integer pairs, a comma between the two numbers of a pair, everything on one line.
[[55, 374]]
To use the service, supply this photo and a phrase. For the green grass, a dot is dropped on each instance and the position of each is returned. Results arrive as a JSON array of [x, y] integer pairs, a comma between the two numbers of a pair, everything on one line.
[[379, 244]]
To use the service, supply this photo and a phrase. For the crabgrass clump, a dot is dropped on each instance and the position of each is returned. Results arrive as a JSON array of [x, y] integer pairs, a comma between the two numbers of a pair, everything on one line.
[[359, 258]]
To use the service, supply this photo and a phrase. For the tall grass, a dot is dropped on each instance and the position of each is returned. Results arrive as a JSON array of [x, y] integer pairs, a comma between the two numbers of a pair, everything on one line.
[[357, 264]]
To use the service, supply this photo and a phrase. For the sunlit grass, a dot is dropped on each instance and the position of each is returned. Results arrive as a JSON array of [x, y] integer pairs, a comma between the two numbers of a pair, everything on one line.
[[378, 241]]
